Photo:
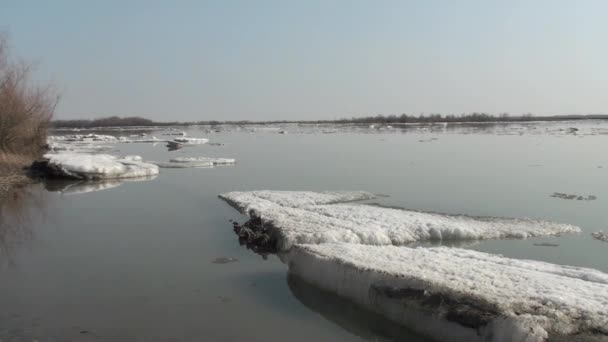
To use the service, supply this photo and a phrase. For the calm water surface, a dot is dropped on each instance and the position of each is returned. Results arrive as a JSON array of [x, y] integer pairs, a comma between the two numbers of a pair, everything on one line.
[[135, 262]]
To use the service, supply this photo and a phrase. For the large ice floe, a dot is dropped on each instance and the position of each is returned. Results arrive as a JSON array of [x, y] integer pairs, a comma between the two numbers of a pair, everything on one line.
[[453, 294], [94, 166], [295, 217]]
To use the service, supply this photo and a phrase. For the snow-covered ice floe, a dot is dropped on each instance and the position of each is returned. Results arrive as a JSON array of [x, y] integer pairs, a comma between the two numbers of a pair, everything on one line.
[[95, 166], [208, 160], [295, 217], [453, 294]]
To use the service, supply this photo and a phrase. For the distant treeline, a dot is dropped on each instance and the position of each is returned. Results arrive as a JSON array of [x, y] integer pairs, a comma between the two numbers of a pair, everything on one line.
[[115, 121]]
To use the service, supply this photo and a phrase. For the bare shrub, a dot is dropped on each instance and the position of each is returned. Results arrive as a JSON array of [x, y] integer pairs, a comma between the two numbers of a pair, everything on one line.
[[26, 110]]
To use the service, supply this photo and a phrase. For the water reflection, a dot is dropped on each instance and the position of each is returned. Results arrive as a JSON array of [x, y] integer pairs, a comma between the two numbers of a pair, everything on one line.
[[19, 209], [347, 315], [70, 186]]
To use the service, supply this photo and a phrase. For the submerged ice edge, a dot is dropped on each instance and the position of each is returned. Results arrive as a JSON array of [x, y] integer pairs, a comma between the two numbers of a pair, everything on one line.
[[453, 294], [294, 217]]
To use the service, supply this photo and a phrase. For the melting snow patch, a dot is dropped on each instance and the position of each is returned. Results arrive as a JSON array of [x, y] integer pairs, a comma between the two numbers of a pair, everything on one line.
[[295, 217], [95, 166], [455, 294]]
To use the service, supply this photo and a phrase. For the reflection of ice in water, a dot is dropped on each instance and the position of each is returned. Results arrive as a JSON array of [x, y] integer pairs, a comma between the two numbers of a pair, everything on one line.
[[347, 315], [19, 210], [82, 186]]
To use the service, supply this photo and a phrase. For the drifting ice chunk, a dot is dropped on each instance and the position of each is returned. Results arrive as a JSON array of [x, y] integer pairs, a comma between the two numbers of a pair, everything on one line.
[[191, 141], [455, 294], [600, 236], [133, 158], [212, 161], [197, 165], [96, 166], [144, 140], [80, 137], [310, 217], [77, 147]]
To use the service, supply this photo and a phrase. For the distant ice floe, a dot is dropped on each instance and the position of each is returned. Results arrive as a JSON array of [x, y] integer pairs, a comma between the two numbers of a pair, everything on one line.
[[600, 236], [453, 294], [176, 132], [89, 143], [146, 140], [95, 166], [212, 161], [170, 165], [191, 141], [194, 162], [78, 147], [296, 217], [83, 137]]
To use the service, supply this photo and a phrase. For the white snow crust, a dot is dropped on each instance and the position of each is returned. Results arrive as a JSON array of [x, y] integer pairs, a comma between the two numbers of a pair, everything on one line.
[[320, 217], [428, 288]]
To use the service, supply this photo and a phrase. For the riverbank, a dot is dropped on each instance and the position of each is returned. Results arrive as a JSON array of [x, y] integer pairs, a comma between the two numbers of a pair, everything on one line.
[[13, 172]]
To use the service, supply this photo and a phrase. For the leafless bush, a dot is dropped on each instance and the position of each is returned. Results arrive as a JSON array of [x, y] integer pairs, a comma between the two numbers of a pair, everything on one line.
[[25, 109]]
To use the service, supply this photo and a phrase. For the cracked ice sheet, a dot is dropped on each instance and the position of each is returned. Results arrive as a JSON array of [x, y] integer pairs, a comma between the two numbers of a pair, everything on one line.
[[320, 217], [509, 299]]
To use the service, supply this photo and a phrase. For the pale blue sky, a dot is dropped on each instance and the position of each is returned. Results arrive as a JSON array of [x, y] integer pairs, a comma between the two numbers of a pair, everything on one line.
[[314, 59]]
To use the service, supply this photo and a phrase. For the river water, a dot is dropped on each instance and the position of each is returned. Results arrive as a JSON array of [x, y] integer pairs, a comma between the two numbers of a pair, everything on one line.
[[138, 261]]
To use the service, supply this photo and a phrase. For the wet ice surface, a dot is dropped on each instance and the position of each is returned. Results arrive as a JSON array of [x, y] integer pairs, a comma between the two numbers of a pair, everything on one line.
[[309, 217], [490, 297], [134, 262]]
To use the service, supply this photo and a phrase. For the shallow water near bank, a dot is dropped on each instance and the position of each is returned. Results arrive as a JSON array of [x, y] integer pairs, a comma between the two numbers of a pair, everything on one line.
[[134, 261]]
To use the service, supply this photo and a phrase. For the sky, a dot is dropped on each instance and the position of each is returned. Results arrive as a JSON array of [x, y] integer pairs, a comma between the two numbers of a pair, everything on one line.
[[314, 59]]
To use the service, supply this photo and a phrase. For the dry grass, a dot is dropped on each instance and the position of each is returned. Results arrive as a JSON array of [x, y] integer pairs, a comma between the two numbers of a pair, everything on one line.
[[26, 111]]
